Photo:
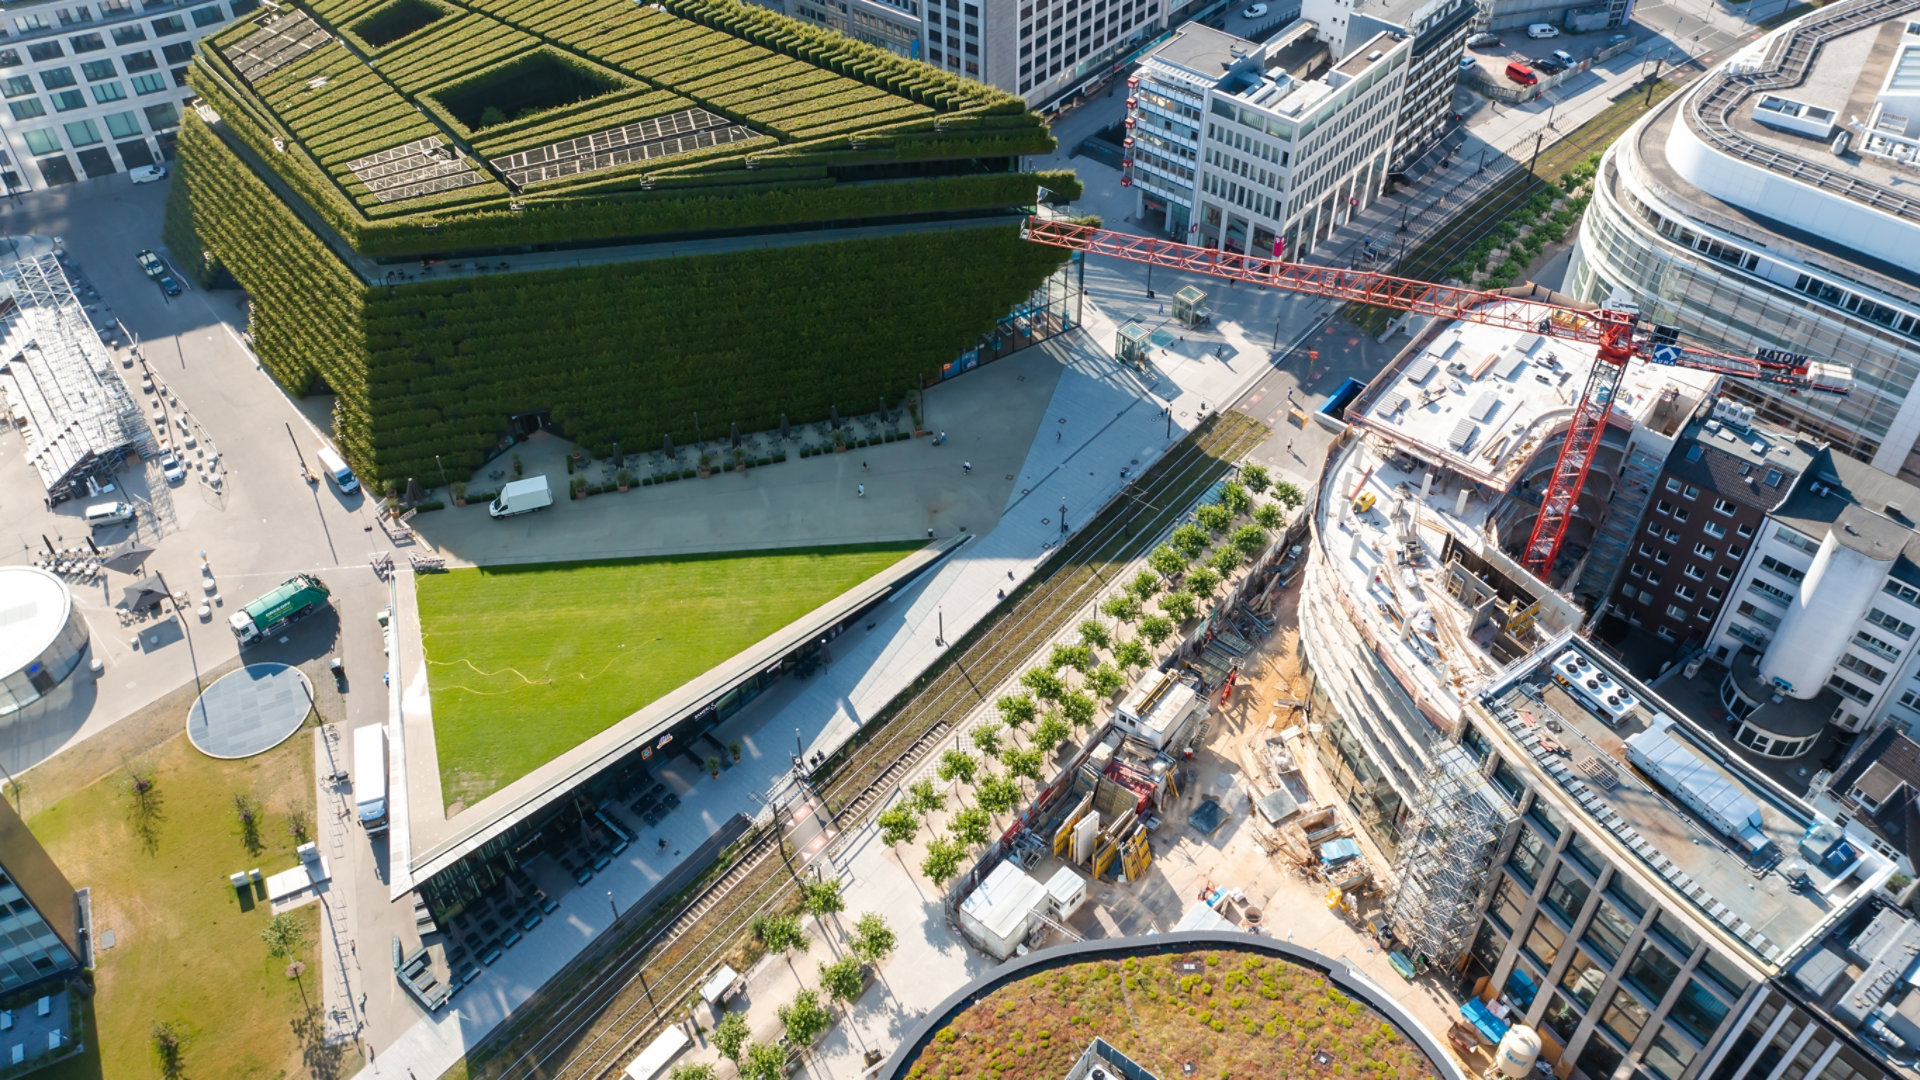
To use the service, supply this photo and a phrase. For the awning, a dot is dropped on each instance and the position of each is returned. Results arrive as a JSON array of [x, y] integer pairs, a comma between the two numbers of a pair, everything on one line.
[[143, 594], [126, 556]]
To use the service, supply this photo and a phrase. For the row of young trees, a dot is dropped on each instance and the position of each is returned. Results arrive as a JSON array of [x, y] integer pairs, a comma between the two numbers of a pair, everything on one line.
[[1062, 695], [807, 1017]]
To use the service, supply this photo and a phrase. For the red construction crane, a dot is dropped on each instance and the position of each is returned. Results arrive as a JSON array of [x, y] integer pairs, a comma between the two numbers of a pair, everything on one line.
[[1619, 334]]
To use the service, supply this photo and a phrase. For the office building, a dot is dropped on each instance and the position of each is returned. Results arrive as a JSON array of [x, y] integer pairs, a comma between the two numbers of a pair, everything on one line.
[[1709, 499], [1751, 210], [1639, 910], [42, 935], [1293, 136], [96, 87], [1439, 29], [1820, 626], [1875, 795], [893, 26]]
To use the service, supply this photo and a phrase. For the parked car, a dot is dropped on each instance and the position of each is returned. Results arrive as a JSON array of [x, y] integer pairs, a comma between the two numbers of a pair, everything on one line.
[[168, 285], [1466, 63], [1483, 40], [1564, 57], [171, 468], [1521, 73], [1254, 11], [150, 263], [1547, 64], [147, 174], [1543, 30]]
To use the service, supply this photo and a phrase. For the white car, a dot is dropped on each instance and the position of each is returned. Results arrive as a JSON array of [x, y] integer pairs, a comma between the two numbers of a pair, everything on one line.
[[147, 174], [171, 468], [1254, 11], [1543, 30]]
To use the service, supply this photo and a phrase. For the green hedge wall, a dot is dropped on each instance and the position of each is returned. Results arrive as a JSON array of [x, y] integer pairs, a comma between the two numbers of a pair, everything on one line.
[[624, 351]]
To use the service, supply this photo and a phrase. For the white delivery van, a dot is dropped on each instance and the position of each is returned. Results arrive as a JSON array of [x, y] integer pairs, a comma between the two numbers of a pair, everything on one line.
[[337, 470], [522, 497], [1543, 30], [370, 777], [101, 515]]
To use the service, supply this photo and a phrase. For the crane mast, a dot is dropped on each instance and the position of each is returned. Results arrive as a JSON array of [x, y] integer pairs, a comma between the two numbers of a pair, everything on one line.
[[1618, 334]]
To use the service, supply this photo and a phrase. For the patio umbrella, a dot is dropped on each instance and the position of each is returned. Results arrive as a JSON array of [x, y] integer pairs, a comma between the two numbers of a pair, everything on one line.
[[143, 594], [666, 445], [833, 414], [126, 556], [786, 429], [415, 493], [733, 435]]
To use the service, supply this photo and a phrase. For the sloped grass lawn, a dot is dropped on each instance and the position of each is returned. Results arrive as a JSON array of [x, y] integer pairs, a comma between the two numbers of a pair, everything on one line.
[[525, 662], [1245, 1015], [185, 952]]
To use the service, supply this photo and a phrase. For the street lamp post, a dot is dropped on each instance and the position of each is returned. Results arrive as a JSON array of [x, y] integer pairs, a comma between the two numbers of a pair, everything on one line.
[[1063, 516], [611, 904]]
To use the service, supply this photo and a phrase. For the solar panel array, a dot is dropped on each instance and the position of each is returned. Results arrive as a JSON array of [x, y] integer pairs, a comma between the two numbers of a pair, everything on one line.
[[644, 140], [410, 170], [280, 40]]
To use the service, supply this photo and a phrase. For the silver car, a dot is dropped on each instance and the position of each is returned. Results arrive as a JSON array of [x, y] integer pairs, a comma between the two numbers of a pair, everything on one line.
[[171, 468]]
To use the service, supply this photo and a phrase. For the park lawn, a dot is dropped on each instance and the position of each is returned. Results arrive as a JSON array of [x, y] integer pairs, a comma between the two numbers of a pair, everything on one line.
[[526, 662], [184, 951]]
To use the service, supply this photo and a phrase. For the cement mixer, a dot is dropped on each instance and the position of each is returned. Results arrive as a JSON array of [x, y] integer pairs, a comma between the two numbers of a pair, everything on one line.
[[1518, 1050]]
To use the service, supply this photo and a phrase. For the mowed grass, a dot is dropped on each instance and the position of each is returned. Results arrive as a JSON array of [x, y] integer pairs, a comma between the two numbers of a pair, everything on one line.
[[185, 952], [525, 662]]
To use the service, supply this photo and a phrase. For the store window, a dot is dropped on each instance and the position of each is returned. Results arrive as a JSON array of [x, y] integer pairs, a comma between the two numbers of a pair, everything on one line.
[[1522, 985]]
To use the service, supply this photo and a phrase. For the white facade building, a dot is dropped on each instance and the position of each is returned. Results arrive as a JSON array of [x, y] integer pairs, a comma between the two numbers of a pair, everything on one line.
[[1825, 609], [1728, 213], [96, 88], [1292, 138]]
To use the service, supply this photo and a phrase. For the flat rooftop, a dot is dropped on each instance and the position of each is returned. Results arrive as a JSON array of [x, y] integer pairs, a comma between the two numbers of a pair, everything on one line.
[[1201, 49], [1482, 399], [1845, 77], [1580, 739]]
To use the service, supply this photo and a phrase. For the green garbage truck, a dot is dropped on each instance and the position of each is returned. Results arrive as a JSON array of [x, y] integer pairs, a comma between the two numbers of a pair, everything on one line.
[[295, 598]]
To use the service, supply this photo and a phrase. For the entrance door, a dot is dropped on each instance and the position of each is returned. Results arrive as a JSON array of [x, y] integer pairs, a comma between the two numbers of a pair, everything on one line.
[[97, 161], [135, 152]]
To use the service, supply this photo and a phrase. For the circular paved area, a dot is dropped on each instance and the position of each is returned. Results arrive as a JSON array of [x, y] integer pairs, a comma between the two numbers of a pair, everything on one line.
[[250, 711]]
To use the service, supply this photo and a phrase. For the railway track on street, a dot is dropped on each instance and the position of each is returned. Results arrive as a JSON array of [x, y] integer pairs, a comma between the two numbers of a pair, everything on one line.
[[592, 1017]]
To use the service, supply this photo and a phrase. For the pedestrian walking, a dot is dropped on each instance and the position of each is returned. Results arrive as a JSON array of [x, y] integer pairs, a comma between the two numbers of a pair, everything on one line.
[[862, 492], [929, 534], [967, 467], [863, 466], [1289, 446], [1057, 436], [354, 948]]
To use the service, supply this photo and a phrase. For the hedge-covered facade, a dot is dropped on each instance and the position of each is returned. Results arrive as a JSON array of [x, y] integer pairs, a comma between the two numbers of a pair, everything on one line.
[[622, 351]]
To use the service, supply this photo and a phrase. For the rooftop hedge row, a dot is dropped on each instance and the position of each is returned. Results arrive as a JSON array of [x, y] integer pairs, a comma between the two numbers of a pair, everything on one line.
[[623, 352]]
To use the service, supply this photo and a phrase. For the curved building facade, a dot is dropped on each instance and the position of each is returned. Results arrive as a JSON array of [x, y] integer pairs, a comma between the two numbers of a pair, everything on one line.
[[42, 635], [1726, 213]]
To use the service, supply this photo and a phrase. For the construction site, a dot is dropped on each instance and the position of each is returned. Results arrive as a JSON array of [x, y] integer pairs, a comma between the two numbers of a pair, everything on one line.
[[1203, 806]]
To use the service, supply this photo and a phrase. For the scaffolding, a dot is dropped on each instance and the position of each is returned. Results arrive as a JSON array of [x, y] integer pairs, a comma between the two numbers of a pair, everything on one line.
[[57, 375], [1454, 829]]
